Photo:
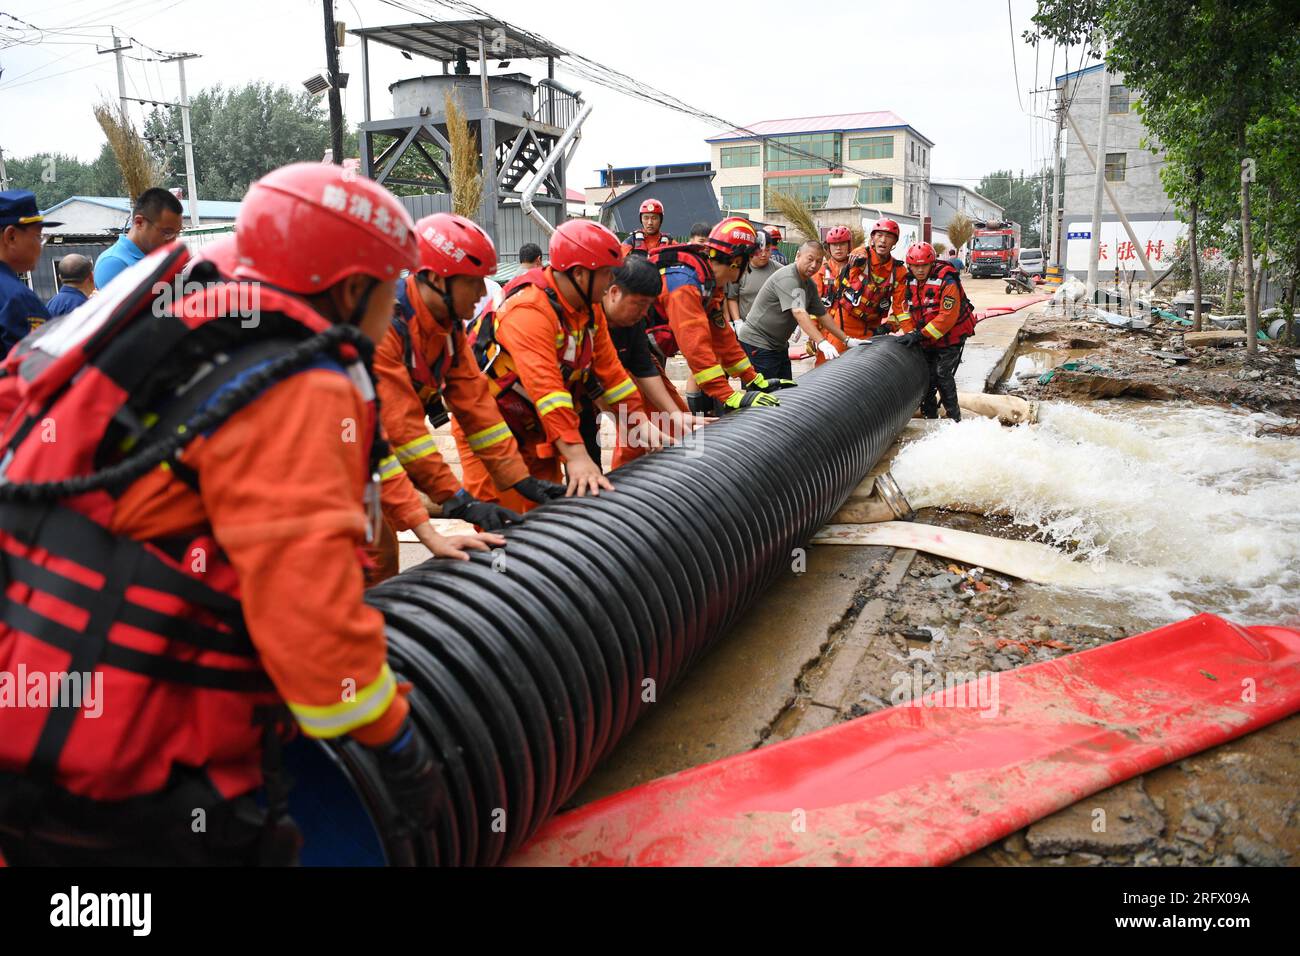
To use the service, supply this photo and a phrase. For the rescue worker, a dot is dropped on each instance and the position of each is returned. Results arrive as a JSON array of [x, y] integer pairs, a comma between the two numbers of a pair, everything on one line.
[[884, 279], [835, 280], [650, 236], [546, 348], [424, 367], [868, 292], [689, 317], [225, 551], [939, 318]]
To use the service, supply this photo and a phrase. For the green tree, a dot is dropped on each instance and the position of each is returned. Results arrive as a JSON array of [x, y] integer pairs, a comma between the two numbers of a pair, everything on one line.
[[53, 177], [240, 133], [1020, 197]]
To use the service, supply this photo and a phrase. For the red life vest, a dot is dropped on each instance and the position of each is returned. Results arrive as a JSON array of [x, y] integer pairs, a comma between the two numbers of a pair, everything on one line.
[[574, 351], [682, 257], [879, 290], [636, 243], [427, 380], [932, 292], [158, 622]]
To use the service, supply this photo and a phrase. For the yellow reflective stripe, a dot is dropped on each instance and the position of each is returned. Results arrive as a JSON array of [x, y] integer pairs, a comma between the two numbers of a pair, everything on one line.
[[489, 436], [553, 400], [931, 331], [416, 449], [367, 706], [902, 317], [708, 375], [739, 367], [389, 467], [620, 391]]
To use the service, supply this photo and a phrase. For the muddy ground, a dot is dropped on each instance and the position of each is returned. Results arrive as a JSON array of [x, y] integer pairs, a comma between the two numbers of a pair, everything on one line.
[[1155, 363]]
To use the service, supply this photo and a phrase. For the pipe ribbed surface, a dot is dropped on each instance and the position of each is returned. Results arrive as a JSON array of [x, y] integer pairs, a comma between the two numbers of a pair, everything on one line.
[[530, 665]]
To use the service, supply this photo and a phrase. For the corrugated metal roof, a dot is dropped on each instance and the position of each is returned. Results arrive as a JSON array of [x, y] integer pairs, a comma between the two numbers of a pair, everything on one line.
[[880, 119], [1078, 73], [208, 208]]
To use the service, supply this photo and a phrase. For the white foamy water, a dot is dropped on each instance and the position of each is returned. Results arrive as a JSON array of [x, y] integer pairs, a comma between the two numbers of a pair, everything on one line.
[[1210, 511]]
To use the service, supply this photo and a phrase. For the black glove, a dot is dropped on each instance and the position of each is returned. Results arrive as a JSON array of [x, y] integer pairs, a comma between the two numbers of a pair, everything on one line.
[[539, 490], [763, 384], [410, 773], [485, 514], [910, 339]]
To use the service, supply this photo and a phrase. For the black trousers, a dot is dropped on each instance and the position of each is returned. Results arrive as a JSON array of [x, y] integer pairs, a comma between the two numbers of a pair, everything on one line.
[[943, 380]]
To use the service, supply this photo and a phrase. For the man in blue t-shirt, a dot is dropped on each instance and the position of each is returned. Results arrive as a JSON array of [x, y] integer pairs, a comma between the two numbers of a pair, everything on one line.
[[155, 221]]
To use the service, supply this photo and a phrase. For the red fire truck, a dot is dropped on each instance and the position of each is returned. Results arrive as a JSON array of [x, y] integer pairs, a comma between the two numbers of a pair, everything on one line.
[[994, 248]]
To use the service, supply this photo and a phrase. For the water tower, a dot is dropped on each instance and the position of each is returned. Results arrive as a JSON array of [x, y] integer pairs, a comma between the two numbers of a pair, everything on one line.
[[516, 122]]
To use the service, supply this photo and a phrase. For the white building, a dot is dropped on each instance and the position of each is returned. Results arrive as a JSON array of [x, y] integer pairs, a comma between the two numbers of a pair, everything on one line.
[[1131, 169], [888, 159]]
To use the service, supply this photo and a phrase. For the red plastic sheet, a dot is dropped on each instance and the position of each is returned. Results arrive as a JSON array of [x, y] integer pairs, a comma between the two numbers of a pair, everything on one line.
[[928, 782]]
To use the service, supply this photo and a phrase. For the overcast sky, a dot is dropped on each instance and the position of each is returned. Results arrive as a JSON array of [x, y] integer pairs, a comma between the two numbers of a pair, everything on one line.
[[944, 66]]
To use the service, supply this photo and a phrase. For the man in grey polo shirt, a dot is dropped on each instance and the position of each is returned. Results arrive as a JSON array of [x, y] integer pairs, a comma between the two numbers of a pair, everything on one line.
[[789, 298]]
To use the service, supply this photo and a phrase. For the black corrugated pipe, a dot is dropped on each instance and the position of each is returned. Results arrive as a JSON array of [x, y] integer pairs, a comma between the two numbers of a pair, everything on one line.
[[529, 665]]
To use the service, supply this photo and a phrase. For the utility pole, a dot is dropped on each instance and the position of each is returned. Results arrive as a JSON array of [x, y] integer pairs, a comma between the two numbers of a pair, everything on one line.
[[332, 66], [4, 175], [1099, 175], [116, 50], [191, 184], [1042, 214], [1057, 211]]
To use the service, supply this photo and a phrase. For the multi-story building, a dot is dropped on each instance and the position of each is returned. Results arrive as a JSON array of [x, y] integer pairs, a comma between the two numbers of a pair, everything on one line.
[[888, 158], [1131, 168]]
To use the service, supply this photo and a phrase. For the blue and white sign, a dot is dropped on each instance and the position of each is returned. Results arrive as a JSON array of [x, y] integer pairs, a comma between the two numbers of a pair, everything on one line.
[[1078, 235]]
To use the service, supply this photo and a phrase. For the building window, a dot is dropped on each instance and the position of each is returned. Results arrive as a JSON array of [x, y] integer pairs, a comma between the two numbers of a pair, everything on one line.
[[736, 156], [812, 190], [741, 197], [871, 147], [1119, 99], [876, 192], [793, 152], [1115, 167]]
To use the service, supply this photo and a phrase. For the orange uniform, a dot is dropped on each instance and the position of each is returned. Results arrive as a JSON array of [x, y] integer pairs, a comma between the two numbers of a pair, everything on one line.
[[434, 361], [702, 333], [281, 490], [551, 357]]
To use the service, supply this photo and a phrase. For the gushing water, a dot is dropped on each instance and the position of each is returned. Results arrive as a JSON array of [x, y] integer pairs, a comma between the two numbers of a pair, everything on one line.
[[1192, 494]]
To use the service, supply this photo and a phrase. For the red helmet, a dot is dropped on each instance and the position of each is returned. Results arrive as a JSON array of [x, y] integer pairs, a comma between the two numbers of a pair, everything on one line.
[[733, 237], [838, 234], [222, 254], [920, 254], [307, 226], [774, 233], [885, 225], [653, 206], [452, 245], [581, 242]]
